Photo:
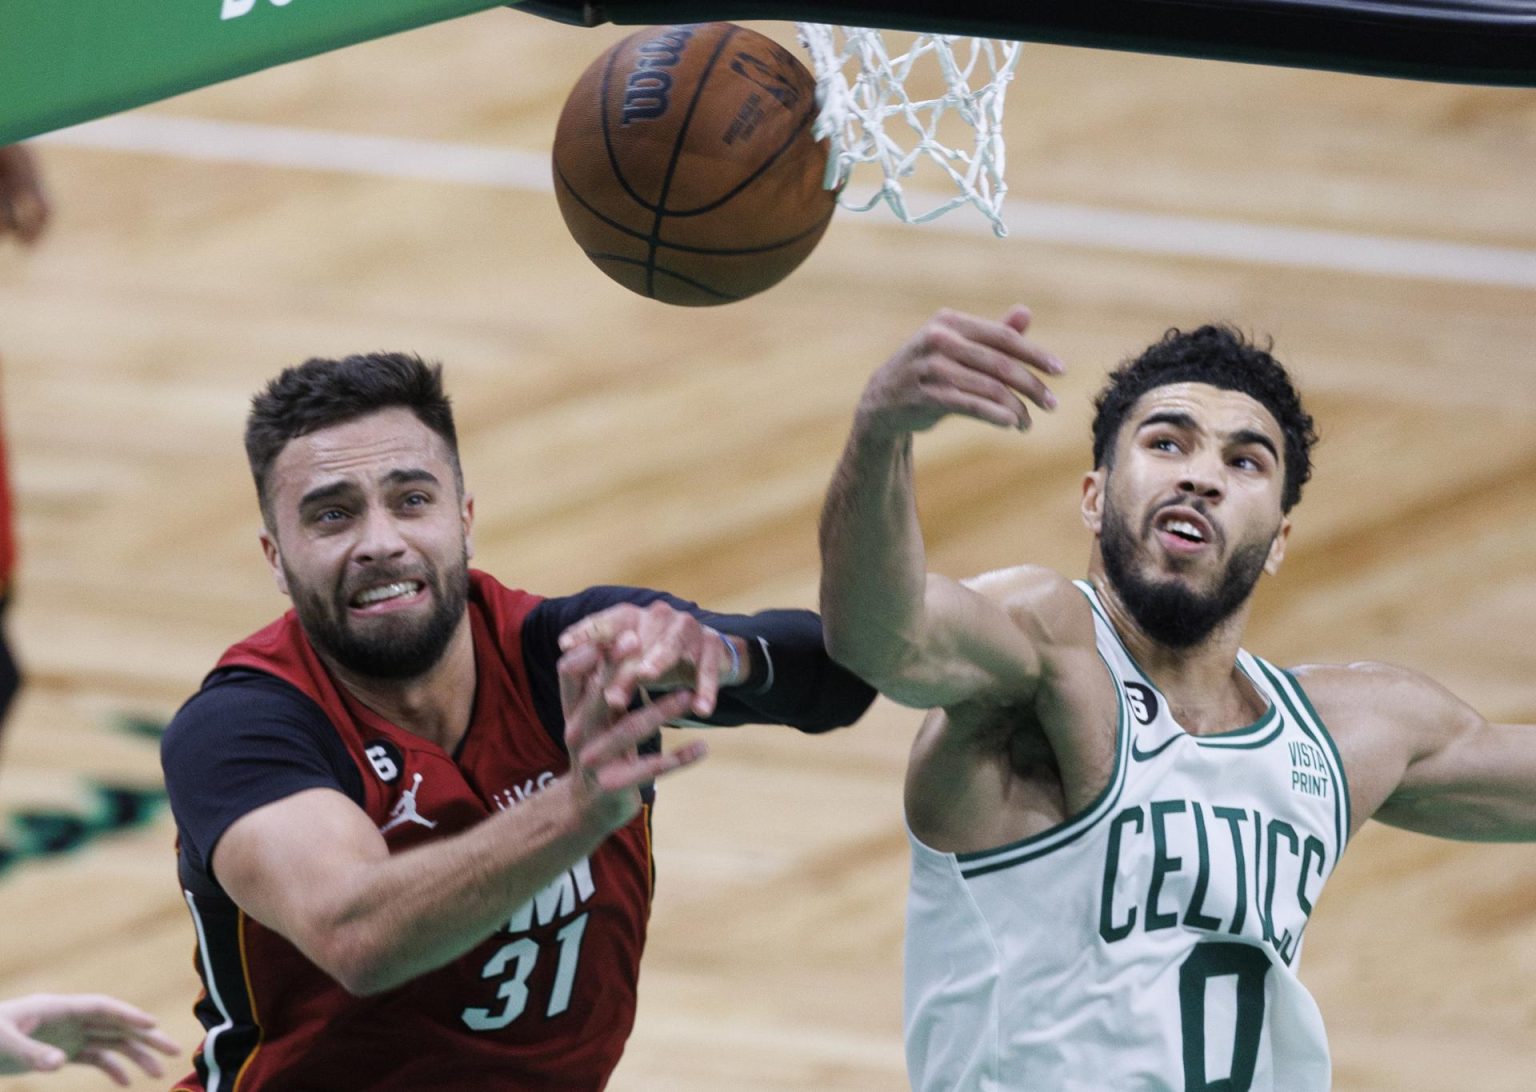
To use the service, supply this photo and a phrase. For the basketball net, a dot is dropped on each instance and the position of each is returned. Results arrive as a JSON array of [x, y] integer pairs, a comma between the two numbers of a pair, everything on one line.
[[875, 119]]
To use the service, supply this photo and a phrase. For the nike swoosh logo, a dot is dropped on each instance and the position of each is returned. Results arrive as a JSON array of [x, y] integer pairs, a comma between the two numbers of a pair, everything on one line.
[[1141, 756]]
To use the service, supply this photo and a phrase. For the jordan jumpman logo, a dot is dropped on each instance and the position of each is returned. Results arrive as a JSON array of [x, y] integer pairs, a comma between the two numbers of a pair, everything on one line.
[[405, 811]]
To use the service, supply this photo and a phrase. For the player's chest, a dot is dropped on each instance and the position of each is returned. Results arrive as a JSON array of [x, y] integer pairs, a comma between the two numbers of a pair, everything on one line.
[[414, 790]]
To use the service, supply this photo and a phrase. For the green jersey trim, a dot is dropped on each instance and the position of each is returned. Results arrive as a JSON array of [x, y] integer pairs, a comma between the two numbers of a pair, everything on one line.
[[1290, 692], [980, 862], [1215, 739], [1236, 740]]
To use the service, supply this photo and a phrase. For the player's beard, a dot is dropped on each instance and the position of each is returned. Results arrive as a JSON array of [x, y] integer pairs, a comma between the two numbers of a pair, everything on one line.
[[1169, 611], [396, 648]]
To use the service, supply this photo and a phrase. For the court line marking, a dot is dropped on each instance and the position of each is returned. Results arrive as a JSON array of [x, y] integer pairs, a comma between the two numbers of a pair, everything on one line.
[[1037, 221]]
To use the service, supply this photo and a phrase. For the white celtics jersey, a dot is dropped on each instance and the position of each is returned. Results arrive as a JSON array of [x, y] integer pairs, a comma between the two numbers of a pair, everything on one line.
[[1152, 941]]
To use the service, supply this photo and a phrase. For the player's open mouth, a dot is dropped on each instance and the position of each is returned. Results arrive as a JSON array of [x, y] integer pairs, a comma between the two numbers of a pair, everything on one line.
[[1183, 531], [386, 593]]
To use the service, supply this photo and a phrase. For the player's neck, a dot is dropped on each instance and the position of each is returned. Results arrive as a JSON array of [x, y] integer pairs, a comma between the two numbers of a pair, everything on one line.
[[1205, 688], [435, 706]]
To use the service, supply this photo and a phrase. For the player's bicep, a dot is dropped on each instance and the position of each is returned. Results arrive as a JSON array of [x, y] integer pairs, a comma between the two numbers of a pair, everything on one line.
[[291, 864]]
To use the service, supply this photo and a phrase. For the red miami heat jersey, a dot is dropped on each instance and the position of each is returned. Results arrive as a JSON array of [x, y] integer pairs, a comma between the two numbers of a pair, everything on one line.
[[545, 1004]]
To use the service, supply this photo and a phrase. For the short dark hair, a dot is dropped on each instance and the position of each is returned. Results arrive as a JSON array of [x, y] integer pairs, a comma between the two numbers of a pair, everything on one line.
[[322, 392], [1222, 357]]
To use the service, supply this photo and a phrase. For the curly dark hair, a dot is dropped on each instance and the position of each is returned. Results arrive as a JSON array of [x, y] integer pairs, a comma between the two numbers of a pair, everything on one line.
[[1222, 357], [321, 392]]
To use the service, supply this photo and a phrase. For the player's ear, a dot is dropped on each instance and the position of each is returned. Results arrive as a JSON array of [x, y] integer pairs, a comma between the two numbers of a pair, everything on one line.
[[1093, 499], [1277, 546], [467, 518], [274, 560]]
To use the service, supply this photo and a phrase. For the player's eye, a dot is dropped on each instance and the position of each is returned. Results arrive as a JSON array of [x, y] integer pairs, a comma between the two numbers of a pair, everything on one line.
[[327, 517]]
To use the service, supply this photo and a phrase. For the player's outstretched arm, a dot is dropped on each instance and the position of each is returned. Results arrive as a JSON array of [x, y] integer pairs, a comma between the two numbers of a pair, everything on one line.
[[1420, 758], [313, 866], [769, 667], [43, 1032], [923, 640]]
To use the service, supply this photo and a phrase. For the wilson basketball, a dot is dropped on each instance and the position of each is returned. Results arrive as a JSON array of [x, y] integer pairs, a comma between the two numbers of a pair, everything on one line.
[[685, 167]]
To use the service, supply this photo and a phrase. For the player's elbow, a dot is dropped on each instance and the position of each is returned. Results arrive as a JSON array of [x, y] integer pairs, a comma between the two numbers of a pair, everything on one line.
[[897, 670], [877, 662], [360, 964], [364, 979], [863, 643]]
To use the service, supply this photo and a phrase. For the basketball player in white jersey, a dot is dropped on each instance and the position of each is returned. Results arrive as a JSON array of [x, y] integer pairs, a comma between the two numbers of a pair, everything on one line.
[[1120, 821]]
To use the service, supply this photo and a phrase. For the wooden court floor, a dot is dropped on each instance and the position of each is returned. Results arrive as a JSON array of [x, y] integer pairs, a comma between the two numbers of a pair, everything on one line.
[[608, 438]]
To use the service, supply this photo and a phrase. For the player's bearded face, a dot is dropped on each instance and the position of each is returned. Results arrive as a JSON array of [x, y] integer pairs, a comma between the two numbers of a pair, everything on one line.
[[402, 645], [1169, 608]]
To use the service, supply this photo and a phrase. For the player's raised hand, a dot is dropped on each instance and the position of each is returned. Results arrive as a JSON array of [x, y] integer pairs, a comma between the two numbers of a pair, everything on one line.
[[659, 647], [965, 364], [43, 1032], [603, 739]]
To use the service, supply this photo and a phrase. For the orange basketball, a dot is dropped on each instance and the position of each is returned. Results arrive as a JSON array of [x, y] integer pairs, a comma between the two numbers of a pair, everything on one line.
[[685, 167]]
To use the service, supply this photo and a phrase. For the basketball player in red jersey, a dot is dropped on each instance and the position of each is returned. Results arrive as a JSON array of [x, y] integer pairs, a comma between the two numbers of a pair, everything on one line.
[[413, 835], [24, 213]]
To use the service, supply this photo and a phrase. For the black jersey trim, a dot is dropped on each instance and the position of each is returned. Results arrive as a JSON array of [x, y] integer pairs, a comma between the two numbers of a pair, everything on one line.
[[229, 1044]]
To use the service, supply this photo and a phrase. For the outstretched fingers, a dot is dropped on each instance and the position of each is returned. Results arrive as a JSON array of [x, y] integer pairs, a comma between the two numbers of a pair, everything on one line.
[[603, 739], [997, 360], [618, 741], [108, 1062], [960, 363]]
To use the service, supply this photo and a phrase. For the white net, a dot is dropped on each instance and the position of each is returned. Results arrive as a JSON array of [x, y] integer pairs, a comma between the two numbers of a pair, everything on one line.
[[877, 109]]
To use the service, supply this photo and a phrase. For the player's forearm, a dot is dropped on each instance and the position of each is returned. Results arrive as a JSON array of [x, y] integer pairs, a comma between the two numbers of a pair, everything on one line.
[[873, 566], [1472, 816], [415, 911], [791, 679], [1479, 788]]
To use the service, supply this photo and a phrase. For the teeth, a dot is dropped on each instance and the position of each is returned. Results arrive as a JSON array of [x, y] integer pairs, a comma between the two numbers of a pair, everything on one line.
[[387, 591], [1184, 529]]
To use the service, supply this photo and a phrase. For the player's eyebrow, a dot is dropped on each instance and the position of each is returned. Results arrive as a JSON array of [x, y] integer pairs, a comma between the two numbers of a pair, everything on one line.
[[327, 492], [1176, 418], [406, 477], [1254, 436]]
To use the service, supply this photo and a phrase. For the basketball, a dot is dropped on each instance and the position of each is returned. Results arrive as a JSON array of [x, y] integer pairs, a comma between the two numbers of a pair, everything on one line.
[[685, 167]]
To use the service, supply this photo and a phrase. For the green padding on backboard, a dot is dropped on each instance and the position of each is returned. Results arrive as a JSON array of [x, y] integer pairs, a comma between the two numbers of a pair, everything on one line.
[[66, 61]]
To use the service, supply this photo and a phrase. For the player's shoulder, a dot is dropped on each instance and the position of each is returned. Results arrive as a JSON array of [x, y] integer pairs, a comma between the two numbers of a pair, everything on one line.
[[235, 699], [1041, 601], [1346, 692]]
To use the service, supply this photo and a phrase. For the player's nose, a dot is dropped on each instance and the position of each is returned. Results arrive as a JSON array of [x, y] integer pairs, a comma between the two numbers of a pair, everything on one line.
[[380, 538], [1202, 476]]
